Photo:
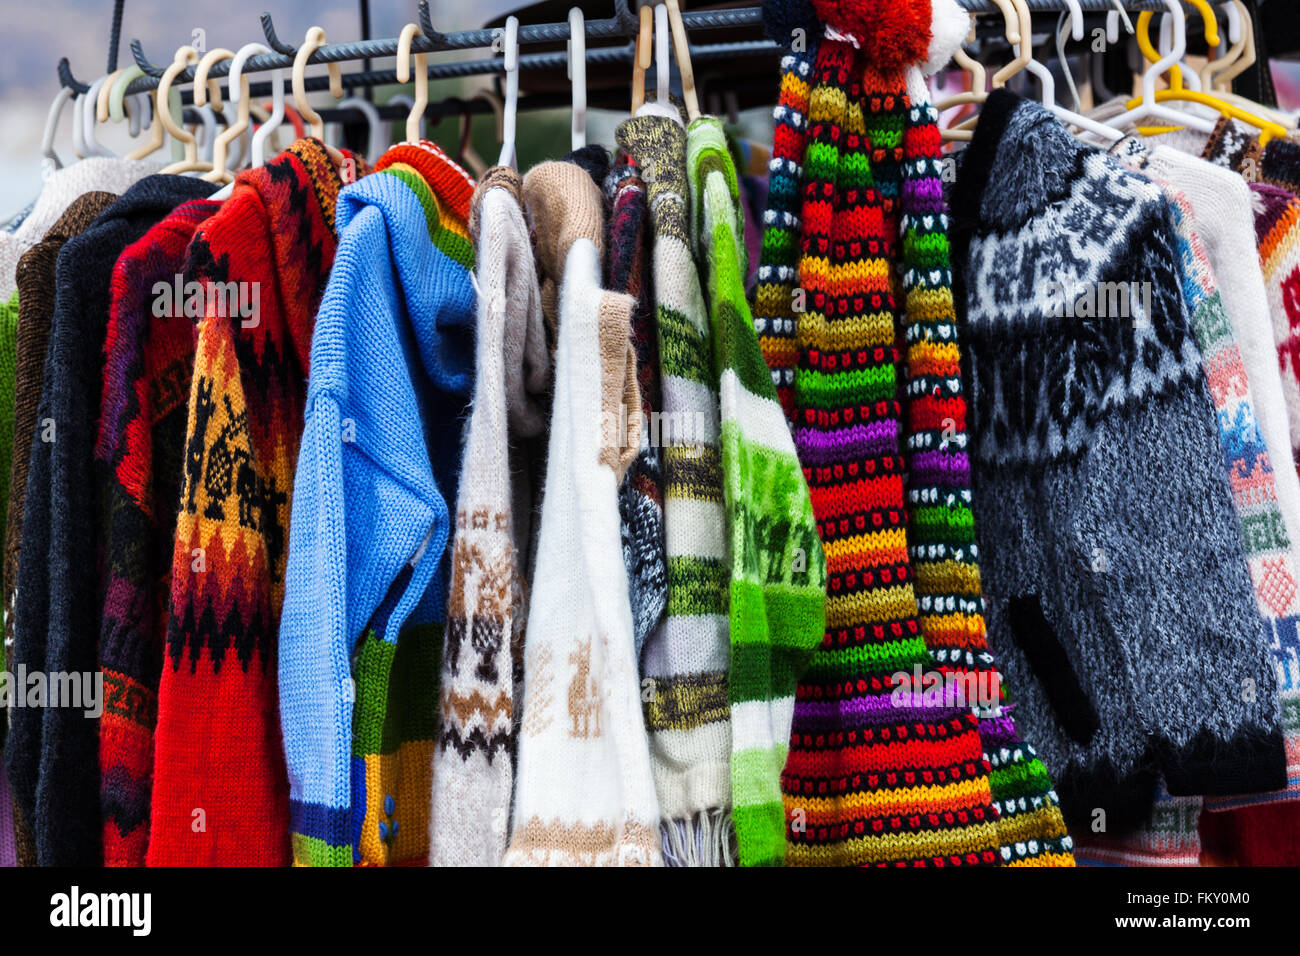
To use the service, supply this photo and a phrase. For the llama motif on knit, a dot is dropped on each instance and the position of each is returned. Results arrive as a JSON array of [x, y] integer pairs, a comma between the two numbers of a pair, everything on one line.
[[876, 773], [687, 657], [149, 362], [366, 583], [473, 763], [641, 495], [584, 792], [776, 568], [1096, 455], [220, 793]]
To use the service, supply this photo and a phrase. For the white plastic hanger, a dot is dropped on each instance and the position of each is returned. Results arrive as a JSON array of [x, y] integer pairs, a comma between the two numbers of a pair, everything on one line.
[[88, 117], [238, 86], [52, 161], [376, 132], [510, 109], [416, 116], [663, 51], [578, 76], [1149, 107]]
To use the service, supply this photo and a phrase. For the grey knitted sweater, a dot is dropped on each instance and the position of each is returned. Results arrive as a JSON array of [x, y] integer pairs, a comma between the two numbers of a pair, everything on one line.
[[1119, 600]]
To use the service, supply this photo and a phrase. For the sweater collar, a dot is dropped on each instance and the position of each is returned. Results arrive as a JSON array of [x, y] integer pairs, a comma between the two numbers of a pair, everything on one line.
[[1019, 162]]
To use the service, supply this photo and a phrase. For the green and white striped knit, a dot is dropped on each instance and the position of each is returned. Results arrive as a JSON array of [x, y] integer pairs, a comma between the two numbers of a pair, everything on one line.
[[686, 658], [776, 565]]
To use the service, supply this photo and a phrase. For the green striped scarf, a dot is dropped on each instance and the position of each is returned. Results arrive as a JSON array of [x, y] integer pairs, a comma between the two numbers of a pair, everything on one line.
[[776, 565], [685, 658]]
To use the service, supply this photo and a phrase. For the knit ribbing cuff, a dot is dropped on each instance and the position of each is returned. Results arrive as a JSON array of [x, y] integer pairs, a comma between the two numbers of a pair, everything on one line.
[[1254, 761]]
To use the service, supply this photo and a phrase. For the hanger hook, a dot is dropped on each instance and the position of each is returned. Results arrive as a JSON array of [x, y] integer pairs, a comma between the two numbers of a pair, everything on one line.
[[437, 38], [409, 32], [137, 51], [272, 38], [314, 40]]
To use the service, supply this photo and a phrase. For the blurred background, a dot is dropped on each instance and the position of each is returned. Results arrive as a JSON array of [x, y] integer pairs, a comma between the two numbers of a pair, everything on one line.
[[36, 33]]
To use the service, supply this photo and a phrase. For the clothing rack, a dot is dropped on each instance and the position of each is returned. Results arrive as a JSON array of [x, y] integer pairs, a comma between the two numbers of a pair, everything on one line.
[[622, 24]]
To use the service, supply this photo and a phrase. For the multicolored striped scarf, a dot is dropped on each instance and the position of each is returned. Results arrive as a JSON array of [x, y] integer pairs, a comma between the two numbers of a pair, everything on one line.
[[878, 771]]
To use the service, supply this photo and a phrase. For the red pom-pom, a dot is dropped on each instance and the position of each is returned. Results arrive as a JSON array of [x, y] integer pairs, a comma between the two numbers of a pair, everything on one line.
[[893, 33]]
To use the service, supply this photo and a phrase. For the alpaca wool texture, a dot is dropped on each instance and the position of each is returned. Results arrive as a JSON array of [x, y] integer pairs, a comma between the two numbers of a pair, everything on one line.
[[1066, 458], [579, 636], [1170, 837], [473, 771], [942, 540], [59, 570], [63, 188], [641, 495], [35, 279], [218, 740], [776, 569], [876, 773], [1221, 201], [688, 714], [391, 354], [140, 453], [36, 288]]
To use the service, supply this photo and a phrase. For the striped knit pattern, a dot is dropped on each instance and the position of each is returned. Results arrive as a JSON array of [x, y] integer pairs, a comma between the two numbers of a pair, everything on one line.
[[776, 567], [941, 524], [875, 774], [774, 316], [687, 710]]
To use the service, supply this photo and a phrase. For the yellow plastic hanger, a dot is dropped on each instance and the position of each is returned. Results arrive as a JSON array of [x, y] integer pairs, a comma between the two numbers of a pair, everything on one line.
[[315, 38], [1178, 93], [421, 78]]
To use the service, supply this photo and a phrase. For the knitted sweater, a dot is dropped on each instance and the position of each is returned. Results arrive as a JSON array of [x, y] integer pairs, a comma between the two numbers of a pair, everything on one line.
[[473, 771], [1221, 201], [148, 365], [579, 619], [36, 310], [60, 190], [877, 773], [1170, 837], [220, 795], [776, 568], [687, 712], [8, 382], [59, 587], [641, 495], [390, 373], [1110, 428]]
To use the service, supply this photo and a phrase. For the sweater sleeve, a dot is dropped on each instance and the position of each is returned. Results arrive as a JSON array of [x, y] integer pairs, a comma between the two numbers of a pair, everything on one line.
[[365, 507]]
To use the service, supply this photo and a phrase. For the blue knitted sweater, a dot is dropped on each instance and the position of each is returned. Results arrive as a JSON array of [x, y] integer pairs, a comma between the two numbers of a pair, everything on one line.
[[391, 362]]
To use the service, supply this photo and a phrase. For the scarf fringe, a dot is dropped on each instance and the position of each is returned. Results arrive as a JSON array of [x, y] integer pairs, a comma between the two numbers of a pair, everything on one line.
[[705, 839]]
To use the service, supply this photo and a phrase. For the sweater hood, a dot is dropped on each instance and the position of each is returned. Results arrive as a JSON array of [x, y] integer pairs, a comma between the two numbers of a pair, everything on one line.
[[1020, 160], [444, 334]]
